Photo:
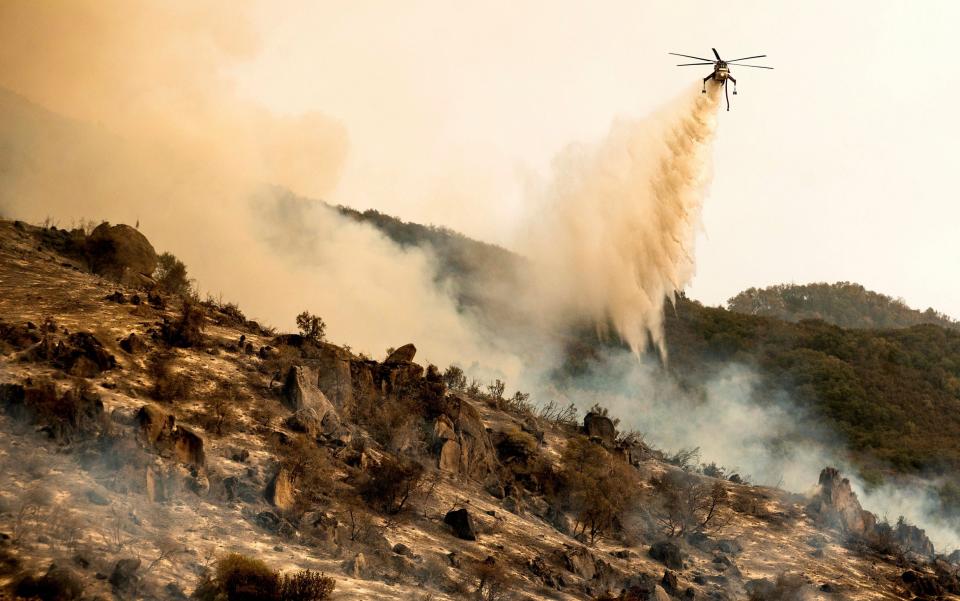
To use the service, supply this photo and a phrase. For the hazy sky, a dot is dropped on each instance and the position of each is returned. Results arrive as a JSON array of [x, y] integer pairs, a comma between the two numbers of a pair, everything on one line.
[[840, 164]]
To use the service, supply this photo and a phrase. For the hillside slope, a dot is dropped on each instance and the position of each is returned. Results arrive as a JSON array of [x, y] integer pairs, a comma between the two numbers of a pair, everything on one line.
[[141, 439]]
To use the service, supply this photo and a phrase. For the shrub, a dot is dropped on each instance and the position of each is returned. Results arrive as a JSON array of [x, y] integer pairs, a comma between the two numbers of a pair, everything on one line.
[[171, 275], [240, 578], [519, 403], [685, 459], [168, 383], [312, 327], [309, 467], [560, 416], [187, 330], [221, 410], [306, 585], [394, 423], [454, 378], [599, 489], [389, 485], [495, 390], [491, 581], [690, 503]]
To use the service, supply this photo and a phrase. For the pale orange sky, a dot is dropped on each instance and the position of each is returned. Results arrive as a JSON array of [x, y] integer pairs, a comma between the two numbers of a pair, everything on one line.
[[838, 165]]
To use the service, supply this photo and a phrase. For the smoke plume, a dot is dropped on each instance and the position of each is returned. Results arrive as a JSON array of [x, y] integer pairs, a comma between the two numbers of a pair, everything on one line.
[[120, 111], [615, 236]]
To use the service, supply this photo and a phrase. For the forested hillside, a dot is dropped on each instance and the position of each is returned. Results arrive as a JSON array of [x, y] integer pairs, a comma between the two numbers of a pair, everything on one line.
[[843, 303]]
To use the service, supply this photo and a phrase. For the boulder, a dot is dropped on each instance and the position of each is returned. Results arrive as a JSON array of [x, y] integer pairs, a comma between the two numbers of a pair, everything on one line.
[[155, 424], [280, 492], [96, 498], [670, 583], [667, 553], [581, 562], [357, 566], [133, 344], [124, 576], [600, 427], [659, 594], [461, 523], [404, 354], [643, 587], [120, 253]]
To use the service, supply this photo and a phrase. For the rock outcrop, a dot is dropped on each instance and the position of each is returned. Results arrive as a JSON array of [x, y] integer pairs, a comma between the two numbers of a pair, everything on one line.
[[464, 444], [313, 412], [836, 505]]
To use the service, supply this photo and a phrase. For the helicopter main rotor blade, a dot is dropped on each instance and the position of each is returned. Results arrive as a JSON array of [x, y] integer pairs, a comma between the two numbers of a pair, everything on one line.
[[699, 58], [691, 64], [747, 58], [716, 54], [754, 66]]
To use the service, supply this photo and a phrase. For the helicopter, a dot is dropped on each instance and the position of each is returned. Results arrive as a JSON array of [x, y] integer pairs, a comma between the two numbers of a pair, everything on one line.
[[721, 70]]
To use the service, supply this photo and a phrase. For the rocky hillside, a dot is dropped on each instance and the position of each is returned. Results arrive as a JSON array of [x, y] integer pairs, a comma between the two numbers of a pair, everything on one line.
[[155, 447]]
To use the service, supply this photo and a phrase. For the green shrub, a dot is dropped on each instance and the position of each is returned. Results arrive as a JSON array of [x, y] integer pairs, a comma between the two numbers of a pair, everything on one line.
[[171, 275]]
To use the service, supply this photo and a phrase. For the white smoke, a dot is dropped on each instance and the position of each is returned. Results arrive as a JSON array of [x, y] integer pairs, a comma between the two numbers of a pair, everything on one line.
[[614, 237], [770, 441]]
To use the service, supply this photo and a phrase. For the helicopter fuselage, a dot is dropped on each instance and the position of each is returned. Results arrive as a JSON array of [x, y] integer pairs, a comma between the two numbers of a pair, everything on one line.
[[721, 71]]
